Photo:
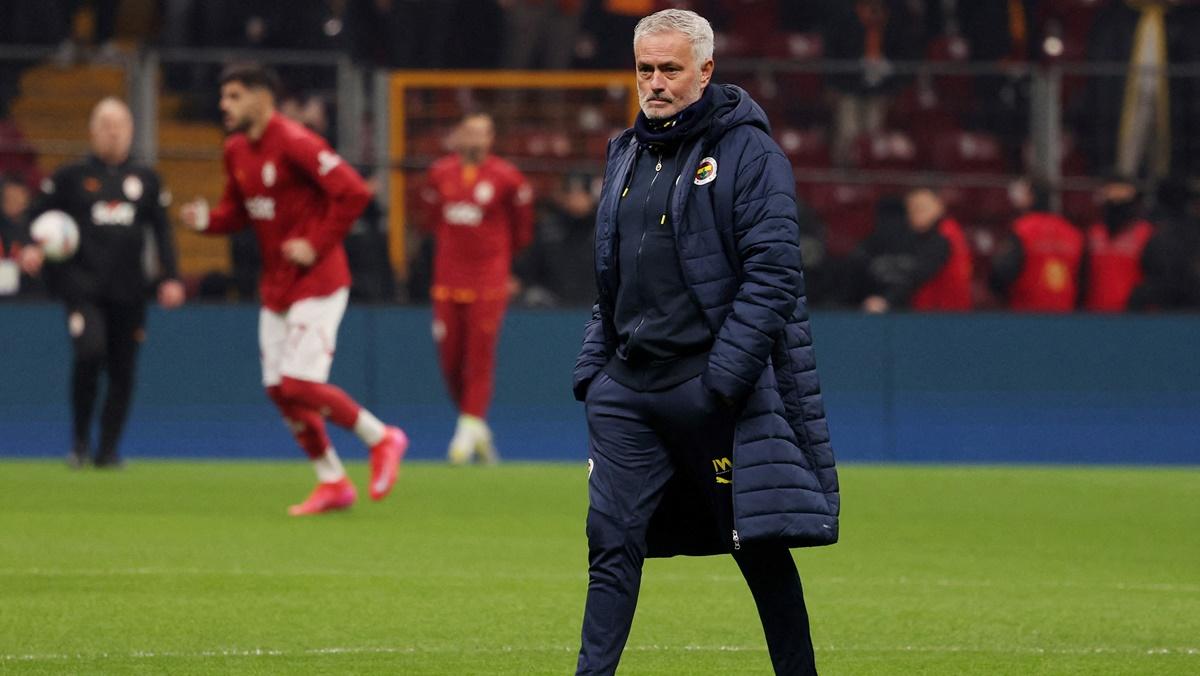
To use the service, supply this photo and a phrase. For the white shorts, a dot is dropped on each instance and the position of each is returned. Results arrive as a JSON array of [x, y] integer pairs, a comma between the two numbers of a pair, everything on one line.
[[300, 343]]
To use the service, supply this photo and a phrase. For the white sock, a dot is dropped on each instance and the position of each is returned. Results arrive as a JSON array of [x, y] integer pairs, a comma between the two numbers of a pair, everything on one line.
[[329, 467], [369, 428], [470, 423], [466, 430]]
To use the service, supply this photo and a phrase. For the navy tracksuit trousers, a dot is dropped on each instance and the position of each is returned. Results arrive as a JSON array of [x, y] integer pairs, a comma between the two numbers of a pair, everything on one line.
[[639, 441]]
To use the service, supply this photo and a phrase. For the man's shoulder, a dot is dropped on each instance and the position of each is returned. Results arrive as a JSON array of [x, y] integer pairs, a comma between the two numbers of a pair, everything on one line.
[[287, 130], [66, 176], [750, 142], [144, 172], [66, 171], [235, 144], [620, 142]]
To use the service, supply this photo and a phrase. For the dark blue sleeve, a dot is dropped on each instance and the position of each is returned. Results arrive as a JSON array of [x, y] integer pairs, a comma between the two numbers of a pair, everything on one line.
[[592, 356], [767, 237]]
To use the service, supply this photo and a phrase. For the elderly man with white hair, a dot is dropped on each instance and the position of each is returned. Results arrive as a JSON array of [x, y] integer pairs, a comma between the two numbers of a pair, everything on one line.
[[706, 425]]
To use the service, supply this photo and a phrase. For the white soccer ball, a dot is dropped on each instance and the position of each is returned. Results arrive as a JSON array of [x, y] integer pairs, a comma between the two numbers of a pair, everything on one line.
[[56, 233]]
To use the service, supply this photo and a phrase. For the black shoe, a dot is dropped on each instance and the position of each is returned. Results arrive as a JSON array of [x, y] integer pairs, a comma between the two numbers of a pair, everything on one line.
[[108, 460], [78, 457]]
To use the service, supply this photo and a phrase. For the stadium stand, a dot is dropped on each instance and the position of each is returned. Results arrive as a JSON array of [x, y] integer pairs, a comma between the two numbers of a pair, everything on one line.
[[953, 87]]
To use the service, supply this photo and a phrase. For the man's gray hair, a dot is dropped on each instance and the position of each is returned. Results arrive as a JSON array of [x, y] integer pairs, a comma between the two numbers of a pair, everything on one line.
[[693, 26]]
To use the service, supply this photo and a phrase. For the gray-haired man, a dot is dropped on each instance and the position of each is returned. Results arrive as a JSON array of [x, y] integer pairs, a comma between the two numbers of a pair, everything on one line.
[[707, 431]]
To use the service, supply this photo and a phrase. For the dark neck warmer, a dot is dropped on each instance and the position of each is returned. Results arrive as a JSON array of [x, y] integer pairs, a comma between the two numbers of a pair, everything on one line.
[[684, 125]]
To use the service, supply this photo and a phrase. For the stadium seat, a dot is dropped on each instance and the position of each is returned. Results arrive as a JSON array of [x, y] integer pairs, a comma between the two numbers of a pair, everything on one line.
[[806, 148], [548, 144], [969, 152], [801, 50], [885, 151], [847, 208], [978, 207], [595, 146], [748, 22], [953, 51], [925, 115]]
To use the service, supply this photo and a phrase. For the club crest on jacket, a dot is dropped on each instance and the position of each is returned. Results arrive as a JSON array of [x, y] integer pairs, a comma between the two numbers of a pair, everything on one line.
[[707, 171]]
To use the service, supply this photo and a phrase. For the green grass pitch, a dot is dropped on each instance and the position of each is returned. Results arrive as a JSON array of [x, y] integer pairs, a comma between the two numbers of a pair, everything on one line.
[[193, 568]]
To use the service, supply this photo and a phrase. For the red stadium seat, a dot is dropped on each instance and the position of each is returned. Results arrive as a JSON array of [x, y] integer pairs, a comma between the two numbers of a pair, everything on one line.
[[885, 151], [806, 148], [595, 145], [547, 144], [748, 21], [925, 115], [952, 50], [978, 207], [847, 208], [969, 152], [992, 206], [793, 46], [733, 46], [803, 50]]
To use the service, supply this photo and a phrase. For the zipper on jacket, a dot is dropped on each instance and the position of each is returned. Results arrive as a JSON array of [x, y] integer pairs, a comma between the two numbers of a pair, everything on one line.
[[637, 259], [737, 541]]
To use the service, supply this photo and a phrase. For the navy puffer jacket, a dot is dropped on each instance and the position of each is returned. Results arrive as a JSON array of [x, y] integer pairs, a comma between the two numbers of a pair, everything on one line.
[[735, 217]]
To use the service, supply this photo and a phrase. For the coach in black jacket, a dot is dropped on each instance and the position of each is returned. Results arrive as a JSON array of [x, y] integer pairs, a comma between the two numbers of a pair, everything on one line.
[[104, 285], [707, 430]]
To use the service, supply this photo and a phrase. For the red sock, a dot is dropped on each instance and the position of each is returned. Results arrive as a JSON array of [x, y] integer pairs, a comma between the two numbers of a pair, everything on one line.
[[305, 424], [327, 400]]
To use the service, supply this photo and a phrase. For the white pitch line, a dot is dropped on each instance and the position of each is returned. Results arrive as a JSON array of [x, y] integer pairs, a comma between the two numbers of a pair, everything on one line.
[[239, 572], [951, 583], [368, 650], [1171, 587]]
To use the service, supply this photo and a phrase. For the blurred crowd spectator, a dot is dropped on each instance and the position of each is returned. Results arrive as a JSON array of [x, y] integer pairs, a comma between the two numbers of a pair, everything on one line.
[[555, 270], [871, 98], [15, 197]]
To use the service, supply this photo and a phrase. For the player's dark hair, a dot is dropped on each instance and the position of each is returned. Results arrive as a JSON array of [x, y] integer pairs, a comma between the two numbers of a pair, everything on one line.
[[252, 76]]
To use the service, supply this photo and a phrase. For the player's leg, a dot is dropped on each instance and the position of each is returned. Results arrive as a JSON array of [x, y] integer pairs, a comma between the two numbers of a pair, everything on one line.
[[312, 326], [334, 490], [483, 325], [450, 334], [628, 470], [306, 425], [126, 330], [699, 430], [771, 574], [85, 324]]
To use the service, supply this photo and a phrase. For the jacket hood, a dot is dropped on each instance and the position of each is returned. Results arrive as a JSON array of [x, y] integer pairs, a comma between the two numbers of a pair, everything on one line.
[[733, 107]]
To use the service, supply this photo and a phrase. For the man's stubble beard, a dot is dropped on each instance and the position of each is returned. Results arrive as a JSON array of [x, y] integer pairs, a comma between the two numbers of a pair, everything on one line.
[[666, 116]]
